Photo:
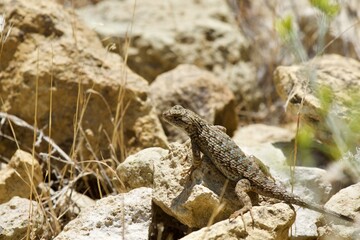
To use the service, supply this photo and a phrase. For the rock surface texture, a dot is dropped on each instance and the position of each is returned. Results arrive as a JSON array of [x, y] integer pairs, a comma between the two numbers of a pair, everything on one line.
[[346, 201], [127, 215], [270, 222], [15, 216], [138, 170], [249, 135], [50, 51], [17, 178]]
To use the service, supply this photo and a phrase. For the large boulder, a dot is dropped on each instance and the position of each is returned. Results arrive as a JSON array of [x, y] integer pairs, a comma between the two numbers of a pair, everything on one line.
[[53, 62]]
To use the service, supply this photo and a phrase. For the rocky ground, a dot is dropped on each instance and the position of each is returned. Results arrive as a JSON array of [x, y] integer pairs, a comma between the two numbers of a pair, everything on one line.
[[84, 153]]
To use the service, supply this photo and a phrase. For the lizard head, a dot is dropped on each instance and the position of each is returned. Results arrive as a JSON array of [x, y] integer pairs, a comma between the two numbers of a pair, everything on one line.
[[181, 118]]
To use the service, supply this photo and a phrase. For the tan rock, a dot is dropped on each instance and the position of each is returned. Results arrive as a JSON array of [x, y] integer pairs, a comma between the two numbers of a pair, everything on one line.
[[17, 178], [346, 202], [202, 33], [330, 88], [270, 222], [47, 42], [138, 170], [197, 90], [127, 215], [14, 219]]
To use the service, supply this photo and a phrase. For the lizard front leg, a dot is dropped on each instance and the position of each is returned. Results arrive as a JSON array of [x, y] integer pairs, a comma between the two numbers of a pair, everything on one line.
[[196, 159]]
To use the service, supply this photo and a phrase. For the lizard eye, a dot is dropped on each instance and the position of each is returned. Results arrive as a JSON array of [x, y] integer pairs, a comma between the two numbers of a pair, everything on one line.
[[181, 119]]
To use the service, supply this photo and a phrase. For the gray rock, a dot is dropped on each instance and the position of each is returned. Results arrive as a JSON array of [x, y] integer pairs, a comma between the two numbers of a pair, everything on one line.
[[345, 171], [346, 202], [127, 215], [255, 134], [14, 219], [71, 203]]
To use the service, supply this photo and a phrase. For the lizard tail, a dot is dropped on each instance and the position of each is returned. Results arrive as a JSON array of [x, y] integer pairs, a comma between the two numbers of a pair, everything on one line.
[[320, 209], [279, 192]]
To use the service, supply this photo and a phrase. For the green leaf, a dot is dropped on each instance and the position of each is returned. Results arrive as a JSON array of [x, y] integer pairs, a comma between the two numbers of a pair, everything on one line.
[[330, 10]]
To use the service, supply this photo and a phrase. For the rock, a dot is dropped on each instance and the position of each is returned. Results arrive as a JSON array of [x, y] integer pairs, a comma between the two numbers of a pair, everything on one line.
[[345, 171], [14, 219], [197, 90], [110, 215], [346, 202], [271, 156], [310, 185], [90, 85], [330, 88], [192, 201], [16, 178], [138, 170], [250, 135], [71, 203], [270, 222], [202, 33]]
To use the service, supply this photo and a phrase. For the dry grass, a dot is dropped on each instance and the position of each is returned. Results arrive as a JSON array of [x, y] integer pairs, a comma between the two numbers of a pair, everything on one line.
[[76, 169]]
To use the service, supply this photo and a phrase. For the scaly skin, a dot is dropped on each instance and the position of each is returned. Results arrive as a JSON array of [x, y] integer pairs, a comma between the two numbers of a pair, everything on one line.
[[249, 173]]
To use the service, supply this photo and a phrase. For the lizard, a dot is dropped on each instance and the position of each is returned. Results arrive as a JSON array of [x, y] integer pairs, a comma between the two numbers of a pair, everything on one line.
[[249, 173]]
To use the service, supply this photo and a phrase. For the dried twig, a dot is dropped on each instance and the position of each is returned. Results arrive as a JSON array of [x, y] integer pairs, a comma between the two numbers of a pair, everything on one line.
[[40, 135]]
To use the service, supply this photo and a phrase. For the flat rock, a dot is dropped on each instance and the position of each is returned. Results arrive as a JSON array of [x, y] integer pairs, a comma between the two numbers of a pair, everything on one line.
[[127, 215], [14, 219], [16, 178], [270, 222]]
